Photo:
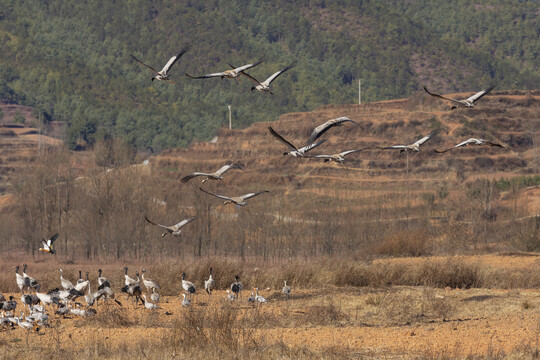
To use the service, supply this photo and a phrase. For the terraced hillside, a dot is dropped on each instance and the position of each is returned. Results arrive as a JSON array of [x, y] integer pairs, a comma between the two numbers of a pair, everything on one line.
[[374, 178]]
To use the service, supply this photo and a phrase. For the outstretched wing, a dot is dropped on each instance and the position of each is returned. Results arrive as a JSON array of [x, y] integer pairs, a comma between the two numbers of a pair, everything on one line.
[[401, 147], [184, 222], [309, 147], [345, 153], [174, 59], [250, 195], [442, 97], [281, 138], [248, 76], [153, 223], [479, 94], [207, 75], [321, 129], [249, 66], [319, 156], [494, 144], [275, 75], [53, 238], [148, 66], [216, 195], [423, 140], [186, 178], [228, 167]]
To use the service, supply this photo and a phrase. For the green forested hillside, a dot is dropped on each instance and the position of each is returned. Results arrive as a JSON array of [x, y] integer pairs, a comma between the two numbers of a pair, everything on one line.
[[70, 59]]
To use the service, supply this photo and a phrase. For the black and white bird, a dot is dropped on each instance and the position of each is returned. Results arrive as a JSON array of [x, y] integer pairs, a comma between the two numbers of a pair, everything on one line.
[[469, 102], [133, 291], [339, 157], [82, 284], [213, 176], [471, 141], [29, 281], [47, 245], [174, 229], [188, 286], [295, 152], [229, 74], [238, 200], [209, 284], [321, 129], [413, 147], [164, 73], [236, 286], [265, 85], [20, 279], [128, 280]]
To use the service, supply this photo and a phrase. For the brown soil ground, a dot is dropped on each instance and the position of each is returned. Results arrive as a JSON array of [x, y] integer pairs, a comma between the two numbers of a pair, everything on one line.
[[391, 322]]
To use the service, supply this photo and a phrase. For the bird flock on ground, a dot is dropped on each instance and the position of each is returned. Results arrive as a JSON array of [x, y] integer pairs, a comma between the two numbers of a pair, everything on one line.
[[68, 298], [78, 299]]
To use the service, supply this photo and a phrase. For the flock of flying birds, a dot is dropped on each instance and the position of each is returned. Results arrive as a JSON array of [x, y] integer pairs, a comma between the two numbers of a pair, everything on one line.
[[66, 298]]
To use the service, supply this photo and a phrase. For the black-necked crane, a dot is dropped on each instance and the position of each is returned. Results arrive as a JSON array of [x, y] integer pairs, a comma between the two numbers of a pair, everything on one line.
[[265, 85], [471, 141], [188, 286], [9, 305], [128, 281], [150, 284], [66, 284], [149, 305], [29, 281], [294, 152], [164, 73], [236, 286], [469, 102], [104, 289], [20, 279], [229, 74], [209, 284], [47, 246], [82, 284], [237, 200], [134, 292], [47, 299], [321, 129], [174, 229], [339, 157], [286, 289], [215, 175], [413, 147], [30, 300]]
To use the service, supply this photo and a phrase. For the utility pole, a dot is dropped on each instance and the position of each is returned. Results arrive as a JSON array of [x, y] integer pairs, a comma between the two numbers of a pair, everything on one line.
[[359, 91], [230, 119]]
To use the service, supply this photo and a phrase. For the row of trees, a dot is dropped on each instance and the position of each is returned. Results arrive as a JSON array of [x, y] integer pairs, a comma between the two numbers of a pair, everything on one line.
[[101, 216], [71, 61]]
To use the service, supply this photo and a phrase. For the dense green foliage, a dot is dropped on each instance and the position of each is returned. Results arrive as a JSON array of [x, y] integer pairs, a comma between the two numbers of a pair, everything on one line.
[[70, 59]]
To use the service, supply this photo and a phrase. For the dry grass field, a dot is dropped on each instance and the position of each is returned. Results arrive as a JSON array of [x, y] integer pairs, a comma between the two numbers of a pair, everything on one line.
[[476, 307], [422, 256]]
